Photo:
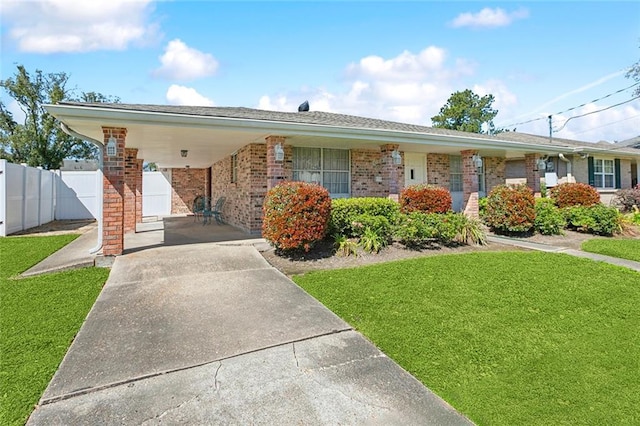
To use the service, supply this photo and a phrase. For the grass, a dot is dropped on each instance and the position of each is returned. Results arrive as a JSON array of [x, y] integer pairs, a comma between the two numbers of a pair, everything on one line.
[[39, 318], [626, 248], [505, 337]]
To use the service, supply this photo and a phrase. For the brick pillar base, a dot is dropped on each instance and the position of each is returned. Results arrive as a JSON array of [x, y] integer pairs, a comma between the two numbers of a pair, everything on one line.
[[531, 172], [276, 172], [469, 183], [113, 193], [392, 174]]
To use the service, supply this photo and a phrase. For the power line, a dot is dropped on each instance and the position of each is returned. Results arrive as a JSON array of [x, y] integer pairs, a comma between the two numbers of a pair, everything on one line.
[[575, 107], [593, 112], [605, 125]]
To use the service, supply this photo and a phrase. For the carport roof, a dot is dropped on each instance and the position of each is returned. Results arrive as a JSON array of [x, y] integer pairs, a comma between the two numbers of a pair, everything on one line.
[[303, 128]]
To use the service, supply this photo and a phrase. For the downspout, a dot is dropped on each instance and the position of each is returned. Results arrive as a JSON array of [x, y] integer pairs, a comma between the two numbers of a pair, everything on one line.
[[566, 160], [99, 185]]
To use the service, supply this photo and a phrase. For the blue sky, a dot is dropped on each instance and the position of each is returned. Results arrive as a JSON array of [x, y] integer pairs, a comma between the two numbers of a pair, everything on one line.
[[392, 60]]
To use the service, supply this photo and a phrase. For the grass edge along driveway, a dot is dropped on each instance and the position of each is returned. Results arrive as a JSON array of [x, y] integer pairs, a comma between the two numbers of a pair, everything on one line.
[[505, 337], [39, 318]]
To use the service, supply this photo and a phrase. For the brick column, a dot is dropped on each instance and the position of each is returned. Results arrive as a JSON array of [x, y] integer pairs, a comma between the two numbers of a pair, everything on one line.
[[130, 179], [531, 172], [469, 183], [113, 193], [276, 170], [392, 174], [139, 171]]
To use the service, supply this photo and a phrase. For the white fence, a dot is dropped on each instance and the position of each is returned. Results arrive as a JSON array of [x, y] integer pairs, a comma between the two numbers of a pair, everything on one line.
[[32, 197]]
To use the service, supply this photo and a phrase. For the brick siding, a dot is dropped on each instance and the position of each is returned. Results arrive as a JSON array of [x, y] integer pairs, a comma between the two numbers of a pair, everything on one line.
[[186, 185]]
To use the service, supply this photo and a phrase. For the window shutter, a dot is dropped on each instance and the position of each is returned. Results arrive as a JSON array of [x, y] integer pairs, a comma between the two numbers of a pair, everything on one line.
[[618, 176], [592, 179]]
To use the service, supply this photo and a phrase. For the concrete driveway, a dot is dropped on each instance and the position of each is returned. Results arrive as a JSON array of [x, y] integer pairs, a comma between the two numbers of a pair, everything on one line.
[[210, 334]]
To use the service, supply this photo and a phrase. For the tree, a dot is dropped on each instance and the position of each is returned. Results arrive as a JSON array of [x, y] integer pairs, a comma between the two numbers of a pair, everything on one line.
[[39, 140], [466, 111]]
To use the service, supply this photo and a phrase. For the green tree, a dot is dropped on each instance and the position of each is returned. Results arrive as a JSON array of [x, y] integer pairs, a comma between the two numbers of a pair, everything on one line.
[[466, 111], [39, 140]]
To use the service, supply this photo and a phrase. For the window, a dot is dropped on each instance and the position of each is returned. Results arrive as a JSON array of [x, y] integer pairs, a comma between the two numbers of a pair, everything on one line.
[[455, 173], [604, 173], [324, 166], [234, 167]]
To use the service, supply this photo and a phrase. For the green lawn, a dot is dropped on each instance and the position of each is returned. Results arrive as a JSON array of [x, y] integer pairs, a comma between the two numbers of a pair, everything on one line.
[[39, 318], [623, 248], [507, 338]]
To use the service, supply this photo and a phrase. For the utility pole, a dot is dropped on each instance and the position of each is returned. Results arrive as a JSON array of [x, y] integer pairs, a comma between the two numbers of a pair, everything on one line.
[[550, 129]]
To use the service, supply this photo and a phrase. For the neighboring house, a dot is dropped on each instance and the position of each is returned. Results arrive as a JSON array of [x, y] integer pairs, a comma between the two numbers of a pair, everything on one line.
[[240, 153]]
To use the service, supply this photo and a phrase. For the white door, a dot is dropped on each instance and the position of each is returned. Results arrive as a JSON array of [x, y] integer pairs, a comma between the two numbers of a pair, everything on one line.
[[415, 168]]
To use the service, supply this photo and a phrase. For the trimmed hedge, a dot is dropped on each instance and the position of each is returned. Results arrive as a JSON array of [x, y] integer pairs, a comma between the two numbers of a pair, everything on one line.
[[296, 215], [597, 219], [510, 209], [425, 198], [346, 211], [574, 194], [549, 218]]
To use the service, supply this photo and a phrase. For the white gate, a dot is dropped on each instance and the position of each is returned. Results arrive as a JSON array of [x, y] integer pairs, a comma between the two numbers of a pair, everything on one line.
[[156, 193]]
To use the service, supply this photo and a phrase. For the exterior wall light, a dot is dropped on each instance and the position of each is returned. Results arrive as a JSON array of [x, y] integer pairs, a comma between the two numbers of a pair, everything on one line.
[[184, 153], [279, 152], [541, 164], [396, 157], [477, 161], [111, 147]]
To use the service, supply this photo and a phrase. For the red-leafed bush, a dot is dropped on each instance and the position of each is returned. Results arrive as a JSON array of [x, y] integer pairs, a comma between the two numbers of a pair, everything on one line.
[[574, 194], [296, 215], [425, 198], [510, 209]]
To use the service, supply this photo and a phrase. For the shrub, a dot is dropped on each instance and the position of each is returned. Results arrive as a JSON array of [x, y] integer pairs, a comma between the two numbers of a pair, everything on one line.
[[378, 224], [425, 198], [296, 215], [345, 211], [344, 246], [510, 209], [625, 199], [597, 219], [482, 206], [372, 241], [419, 229], [549, 218], [574, 194]]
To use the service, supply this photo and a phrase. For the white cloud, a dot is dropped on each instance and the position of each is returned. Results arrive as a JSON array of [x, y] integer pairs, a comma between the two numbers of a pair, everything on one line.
[[181, 95], [181, 62], [50, 26], [489, 18], [410, 87]]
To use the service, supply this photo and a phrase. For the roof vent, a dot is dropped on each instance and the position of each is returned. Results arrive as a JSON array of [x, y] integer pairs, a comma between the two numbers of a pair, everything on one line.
[[304, 107]]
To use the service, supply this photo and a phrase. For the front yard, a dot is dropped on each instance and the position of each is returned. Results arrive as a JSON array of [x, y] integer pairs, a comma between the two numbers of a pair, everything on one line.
[[40, 317], [505, 337]]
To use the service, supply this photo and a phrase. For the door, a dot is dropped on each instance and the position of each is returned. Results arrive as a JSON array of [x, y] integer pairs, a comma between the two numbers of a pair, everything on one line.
[[415, 169]]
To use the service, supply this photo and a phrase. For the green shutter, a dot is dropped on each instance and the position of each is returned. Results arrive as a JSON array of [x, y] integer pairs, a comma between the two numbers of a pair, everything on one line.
[[592, 179], [618, 176]]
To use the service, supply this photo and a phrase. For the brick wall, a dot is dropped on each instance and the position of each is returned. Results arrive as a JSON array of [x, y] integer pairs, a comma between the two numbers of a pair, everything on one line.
[[494, 172], [245, 196], [186, 185], [365, 167], [438, 170], [130, 188], [531, 172]]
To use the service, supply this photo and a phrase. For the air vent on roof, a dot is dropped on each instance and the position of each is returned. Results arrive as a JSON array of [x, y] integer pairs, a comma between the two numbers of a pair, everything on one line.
[[304, 106]]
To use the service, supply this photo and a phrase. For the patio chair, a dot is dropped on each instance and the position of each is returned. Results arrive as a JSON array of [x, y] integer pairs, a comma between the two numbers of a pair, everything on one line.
[[200, 205], [216, 212]]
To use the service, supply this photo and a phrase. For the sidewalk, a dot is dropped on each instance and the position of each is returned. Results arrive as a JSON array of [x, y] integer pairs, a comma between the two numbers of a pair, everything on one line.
[[555, 249]]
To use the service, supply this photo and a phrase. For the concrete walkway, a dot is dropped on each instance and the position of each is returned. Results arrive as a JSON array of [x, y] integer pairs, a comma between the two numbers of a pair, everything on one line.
[[212, 334], [555, 249]]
